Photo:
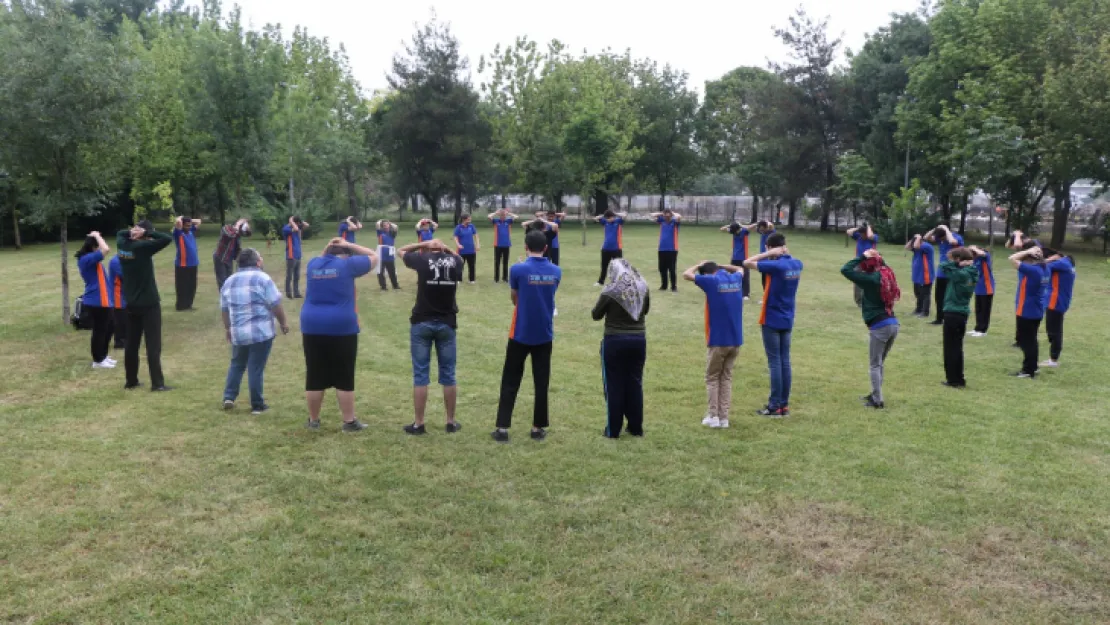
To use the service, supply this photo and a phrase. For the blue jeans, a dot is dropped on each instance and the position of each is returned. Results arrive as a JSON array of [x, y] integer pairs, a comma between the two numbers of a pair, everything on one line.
[[422, 337], [252, 359], [777, 345]]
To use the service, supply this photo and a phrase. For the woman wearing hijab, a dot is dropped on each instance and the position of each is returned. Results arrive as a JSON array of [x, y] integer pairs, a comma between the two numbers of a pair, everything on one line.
[[624, 302], [880, 291], [97, 297]]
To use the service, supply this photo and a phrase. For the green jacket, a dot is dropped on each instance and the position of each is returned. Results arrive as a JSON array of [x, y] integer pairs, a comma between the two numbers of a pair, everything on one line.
[[872, 285], [136, 260], [961, 286]]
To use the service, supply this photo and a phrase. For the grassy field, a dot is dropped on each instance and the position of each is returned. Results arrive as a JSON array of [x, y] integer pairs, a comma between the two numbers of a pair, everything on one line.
[[989, 505]]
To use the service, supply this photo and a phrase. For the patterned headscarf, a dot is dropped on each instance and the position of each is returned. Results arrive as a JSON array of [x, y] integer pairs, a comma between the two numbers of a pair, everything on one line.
[[888, 290], [627, 287]]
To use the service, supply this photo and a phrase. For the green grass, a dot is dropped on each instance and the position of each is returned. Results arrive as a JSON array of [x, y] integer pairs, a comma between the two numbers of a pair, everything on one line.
[[984, 506]]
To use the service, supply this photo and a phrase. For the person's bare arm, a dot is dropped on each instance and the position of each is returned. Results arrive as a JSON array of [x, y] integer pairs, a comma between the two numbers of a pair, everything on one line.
[[293, 225], [513, 296], [197, 222], [851, 231], [477, 242], [279, 314], [772, 253], [676, 216], [1033, 252], [227, 325], [691, 274], [726, 228], [732, 269], [103, 245]]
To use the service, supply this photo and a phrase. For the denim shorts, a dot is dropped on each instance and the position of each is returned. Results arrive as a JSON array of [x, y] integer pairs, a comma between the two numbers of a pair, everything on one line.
[[423, 336]]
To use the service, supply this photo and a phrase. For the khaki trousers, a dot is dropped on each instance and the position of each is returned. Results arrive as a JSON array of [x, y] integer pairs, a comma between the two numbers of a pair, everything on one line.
[[718, 379]]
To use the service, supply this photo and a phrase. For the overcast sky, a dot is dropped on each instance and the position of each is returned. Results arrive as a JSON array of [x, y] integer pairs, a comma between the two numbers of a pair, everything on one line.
[[706, 38]]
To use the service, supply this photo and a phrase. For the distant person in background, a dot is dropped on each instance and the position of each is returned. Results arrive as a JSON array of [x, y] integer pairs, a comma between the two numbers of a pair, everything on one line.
[[865, 239], [553, 221], [426, 230], [119, 312], [227, 250], [292, 233], [137, 248], [623, 304], [531, 334], [923, 272], [612, 245], [330, 328], [502, 221], [467, 244], [1019, 242], [984, 291], [880, 292], [97, 298], [348, 228], [250, 301], [765, 230], [946, 239], [1061, 286], [387, 238], [724, 333], [740, 253], [186, 261], [1028, 304], [669, 224], [962, 278], [784, 273]]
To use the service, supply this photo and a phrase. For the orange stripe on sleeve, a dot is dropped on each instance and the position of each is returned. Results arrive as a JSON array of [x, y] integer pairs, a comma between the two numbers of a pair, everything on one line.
[[181, 250], [620, 237], [676, 237], [989, 279], [1055, 291], [925, 263], [1021, 297], [512, 326], [118, 287], [102, 285], [766, 298]]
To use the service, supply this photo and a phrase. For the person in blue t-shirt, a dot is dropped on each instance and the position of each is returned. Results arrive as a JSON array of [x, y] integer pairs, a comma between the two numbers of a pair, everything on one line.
[[119, 303], [865, 239], [984, 291], [669, 224], [1061, 271], [329, 328], [724, 332], [186, 261], [784, 272], [943, 236], [97, 298], [1019, 242], [467, 244], [387, 239], [765, 230], [612, 246], [553, 220], [923, 272], [532, 333], [348, 228], [292, 234], [1029, 305], [502, 221], [740, 240], [426, 230]]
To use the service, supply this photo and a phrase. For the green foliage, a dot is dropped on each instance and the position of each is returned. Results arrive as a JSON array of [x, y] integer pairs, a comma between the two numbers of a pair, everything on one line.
[[665, 134], [908, 213], [856, 179]]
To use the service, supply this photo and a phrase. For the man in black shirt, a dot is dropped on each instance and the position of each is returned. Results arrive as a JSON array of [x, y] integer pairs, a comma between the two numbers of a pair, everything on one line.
[[137, 247], [439, 272]]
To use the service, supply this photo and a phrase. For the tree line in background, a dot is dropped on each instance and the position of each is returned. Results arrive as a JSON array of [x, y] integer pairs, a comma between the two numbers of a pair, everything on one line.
[[112, 108]]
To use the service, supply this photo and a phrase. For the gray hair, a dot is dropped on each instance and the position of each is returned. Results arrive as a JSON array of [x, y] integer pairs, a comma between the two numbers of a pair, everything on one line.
[[249, 257]]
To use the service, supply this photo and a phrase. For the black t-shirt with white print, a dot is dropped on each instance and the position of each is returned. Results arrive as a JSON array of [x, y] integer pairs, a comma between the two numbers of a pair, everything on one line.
[[438, 274]]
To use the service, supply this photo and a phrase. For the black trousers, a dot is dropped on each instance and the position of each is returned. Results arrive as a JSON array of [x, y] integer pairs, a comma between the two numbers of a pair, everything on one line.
[[737, 262], [1027, 340], [1054, 327], [942, 288], [388, 267], [119, 327], [469, 260], [607, 257], [923, 293], [622, 366], [144, 321], [223, 272], [293, 276], [101, 332], [552, 253], [668, 267], [955, 327], [501, 261], [983, 305], [515, 355], [185, 283]]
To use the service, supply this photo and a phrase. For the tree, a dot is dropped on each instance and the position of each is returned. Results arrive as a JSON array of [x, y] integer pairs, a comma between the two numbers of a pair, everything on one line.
[[857, 181], [665, 137], [69, 87]]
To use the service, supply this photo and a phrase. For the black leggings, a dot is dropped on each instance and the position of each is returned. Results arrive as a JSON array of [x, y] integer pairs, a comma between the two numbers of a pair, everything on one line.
[[983, 305], [144, 322], [923, 293], [119, 327], [607, 257], [736, 262], [1054, 328], [101, 332], [552, 253], [389, 267], [501, 261], [515, 355], [955, 326], [668, 266], [469, 260], [1027, 339], [622, 366], [185, 286], [942, 288]]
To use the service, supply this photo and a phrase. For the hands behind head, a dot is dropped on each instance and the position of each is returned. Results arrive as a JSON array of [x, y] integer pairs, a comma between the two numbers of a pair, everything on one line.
[[871, 253], [775, 252], [338, 241], [137, 233], [1036, 252], [967, 263], [94, 233]]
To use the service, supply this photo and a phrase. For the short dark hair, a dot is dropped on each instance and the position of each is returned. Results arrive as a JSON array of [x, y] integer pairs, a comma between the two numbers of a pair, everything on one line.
[[1028, 244], [961, 254], [337, 250], [609, 214], [464, 216], [146, 226], [709, 267], [249, 257], [535, 241], [776, 240]]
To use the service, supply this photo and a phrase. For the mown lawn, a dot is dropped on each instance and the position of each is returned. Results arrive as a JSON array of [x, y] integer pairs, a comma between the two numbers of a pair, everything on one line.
[[990, 505]]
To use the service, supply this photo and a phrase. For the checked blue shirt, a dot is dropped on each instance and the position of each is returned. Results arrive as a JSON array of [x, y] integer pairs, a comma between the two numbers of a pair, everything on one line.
[[248, 296]]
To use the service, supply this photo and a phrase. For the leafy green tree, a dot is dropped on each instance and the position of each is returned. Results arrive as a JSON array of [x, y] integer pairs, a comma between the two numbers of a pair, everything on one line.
[[856, 181], [665, 136]]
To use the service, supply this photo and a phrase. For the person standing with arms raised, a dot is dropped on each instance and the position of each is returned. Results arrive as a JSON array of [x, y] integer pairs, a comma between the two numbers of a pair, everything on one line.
[[348, 228], [1029, 305], [387, 238], [467, 244], [923, 272], [119, 303], [137, 248], [227, 250], [784, 273], [984, 291], [962, 277], [623, 304], [947, 240], [740, 240], [502, 221], [186, 261], [880, 292], [426, 230], [669, 223], [724, 333], [531, 334], [865, 239], [553, 220], [1061, 286], [292, 234], [97, 298], [612, 246]]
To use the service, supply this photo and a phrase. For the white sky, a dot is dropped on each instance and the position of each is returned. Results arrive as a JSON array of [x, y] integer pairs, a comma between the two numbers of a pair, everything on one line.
[[706, 38]]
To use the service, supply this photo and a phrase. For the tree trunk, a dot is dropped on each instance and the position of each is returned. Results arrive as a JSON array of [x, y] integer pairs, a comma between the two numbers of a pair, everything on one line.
[[458, 203], [504, 201], [601, 201], [352, 198], [65, 270], [755, 207], [221, 202], [946, 208], [966, 199], [1061, 209], [662, 198], [433, 207], [793, 206], [1009, 216], [828, 200], [15, 226]]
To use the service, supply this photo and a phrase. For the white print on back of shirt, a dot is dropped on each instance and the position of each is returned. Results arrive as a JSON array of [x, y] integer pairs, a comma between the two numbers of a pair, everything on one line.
[[442, 268]]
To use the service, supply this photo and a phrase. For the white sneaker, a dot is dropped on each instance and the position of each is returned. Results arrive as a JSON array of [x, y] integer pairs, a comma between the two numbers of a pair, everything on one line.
[[706, 420], [712, 422], [110, 360], [747, 299], [104, 365], [556, 313], [721, 424], [597, 284], [1052, 364], [472, 282], [976, 334]]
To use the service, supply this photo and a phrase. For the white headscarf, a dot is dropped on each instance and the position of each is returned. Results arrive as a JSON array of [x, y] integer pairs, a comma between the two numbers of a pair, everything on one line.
[[627, 287]]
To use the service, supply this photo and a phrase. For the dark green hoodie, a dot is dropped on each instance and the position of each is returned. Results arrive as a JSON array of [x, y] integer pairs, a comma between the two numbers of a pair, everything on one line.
[[874, 310], [961, 286], [136, 258]]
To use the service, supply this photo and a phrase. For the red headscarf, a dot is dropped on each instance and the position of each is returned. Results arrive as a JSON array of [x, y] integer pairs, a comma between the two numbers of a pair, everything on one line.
[[888, 290]]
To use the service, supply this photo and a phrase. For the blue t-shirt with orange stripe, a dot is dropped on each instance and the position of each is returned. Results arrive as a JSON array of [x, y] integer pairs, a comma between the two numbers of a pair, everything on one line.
[[292, 243], [946, 247], [386, 239], [783, 276], [502, 232], [863, 244], [985, 285], [425, 234], [555, 239], [185, 242], [724, 308], [1029, 301], [924, 265], [614, 234], [346, 233], [763, 240], [1062, 283], [115, 282], [668, 234], [92, 271], [739, 243], [535, 281]]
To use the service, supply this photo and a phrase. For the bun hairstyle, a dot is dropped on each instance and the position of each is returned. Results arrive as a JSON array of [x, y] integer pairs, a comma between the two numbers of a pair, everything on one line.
[[88, 246]]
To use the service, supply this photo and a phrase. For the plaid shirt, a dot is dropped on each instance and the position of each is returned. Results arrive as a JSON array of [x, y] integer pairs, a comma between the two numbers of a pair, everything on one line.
[[248, 296], [227, 249]]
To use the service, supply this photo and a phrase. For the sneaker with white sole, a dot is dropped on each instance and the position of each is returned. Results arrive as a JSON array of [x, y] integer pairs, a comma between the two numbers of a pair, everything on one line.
[[555, 313], [976, 334], [1052, 364], [104, 364], [721, 424], [712, 422], [110, 360]]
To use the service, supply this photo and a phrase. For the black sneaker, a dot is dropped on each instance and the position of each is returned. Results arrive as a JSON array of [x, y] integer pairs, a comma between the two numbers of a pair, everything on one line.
[[538, 435], [415, 430], [636, 434], [674, 289], [298, 296], [1016, 345], [131, 387], [263, 409], [229, 404], [161, 389], [1023, 375], [955, 386], [865, 398], [451, 428], [384, 289], [767, 411], [938, 322], [312, 425], [501, 436], [871, 403], [354, 426]]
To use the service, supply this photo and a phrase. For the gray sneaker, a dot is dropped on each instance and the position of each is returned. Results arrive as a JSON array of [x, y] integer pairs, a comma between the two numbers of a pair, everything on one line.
[[354, 426], [312, 425], [229, 404]]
